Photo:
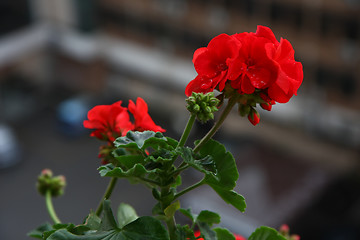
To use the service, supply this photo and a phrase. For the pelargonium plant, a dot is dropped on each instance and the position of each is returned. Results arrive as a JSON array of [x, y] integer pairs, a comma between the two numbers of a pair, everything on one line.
[[245, 69]]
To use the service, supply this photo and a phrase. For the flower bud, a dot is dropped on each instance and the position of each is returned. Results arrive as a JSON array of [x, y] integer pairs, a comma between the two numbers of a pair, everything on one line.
[[266, 106], [254, 117], [284, 229], [202, 105], [46, 182], [294, 237]]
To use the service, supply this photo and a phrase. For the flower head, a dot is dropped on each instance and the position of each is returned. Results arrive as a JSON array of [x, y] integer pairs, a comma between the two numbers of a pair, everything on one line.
[[143, 120], [251, 65], [109, 121], [47, 182]]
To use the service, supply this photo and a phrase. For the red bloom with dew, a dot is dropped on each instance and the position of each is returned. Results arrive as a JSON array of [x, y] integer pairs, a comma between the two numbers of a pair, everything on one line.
[[109, 121], [143, 120], [212, 64], [257, 66]]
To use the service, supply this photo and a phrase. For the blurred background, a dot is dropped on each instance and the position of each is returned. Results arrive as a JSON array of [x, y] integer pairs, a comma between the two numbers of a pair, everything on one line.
[[60, 58]]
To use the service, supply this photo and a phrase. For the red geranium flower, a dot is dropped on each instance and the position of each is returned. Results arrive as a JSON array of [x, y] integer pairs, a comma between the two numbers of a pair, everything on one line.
[[143, 120], [109, 121], [212, 64], [249, 61], [290, 74], [253, 68]]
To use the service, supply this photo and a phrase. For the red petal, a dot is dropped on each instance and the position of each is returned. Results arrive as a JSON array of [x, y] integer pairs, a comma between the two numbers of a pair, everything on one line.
[[246, 85], [266, 32]]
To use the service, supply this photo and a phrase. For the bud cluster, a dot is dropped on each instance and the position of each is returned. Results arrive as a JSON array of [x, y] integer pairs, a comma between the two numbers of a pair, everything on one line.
[[248, 102], [46, 181], [202, 105], [285, 231]]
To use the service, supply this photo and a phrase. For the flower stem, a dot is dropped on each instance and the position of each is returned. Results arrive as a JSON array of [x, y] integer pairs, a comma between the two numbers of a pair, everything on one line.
[[50, 207], [170, 223], [107, 195], [188, 189], [187, 130], [231, 103]]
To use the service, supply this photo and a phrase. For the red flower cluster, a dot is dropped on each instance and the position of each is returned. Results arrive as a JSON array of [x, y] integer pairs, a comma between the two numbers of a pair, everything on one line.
[[112, 121], [249, 62]]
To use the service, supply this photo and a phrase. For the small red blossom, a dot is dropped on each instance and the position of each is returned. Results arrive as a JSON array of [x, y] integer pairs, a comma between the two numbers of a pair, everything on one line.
[[143, 120], [109, 121]]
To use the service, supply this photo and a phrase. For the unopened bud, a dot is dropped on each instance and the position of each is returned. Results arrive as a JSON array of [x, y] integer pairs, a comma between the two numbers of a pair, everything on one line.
[[284, 229], [254, 117], [46, 182], [47, 173], [202, 105], [294, 237], [266, 106], [196, 108]]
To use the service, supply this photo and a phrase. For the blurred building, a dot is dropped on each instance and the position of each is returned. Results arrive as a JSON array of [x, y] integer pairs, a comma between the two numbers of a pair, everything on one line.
[[51, 51]]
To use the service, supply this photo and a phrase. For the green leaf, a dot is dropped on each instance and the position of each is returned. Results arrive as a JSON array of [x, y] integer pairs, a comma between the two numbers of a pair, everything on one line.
[[204, 164], [126, 214], [38, 232], [177, 182], [143, 140], [266, 233], [171, 209], [143, 228], [208, 217], [128, 161], [135, 175], [93, 221], [187, 213], [231, 197], [227, 174], [206, 231], [224, 234], [107, 221]]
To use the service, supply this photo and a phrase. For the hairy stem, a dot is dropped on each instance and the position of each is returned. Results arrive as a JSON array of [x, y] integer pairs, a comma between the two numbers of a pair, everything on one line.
[[50, 207], [107, 195], [231, 103]]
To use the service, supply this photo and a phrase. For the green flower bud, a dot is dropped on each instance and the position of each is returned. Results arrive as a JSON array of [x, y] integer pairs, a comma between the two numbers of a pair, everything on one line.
[[196, 108], [202, 105], [46, 182]]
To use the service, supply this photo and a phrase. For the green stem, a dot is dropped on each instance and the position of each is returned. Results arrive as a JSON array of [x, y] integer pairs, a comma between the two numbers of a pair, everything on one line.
[[107, 195], [187, 130], [188, 189], [170, 223], [231, 103], [50, 207]]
